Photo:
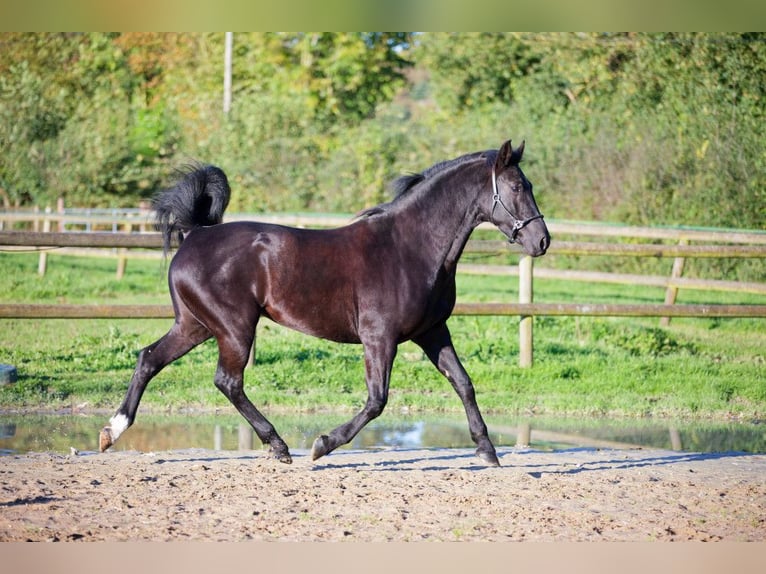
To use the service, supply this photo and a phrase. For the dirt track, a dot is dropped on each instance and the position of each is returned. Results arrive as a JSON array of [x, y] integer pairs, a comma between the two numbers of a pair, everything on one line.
[[395, 494]]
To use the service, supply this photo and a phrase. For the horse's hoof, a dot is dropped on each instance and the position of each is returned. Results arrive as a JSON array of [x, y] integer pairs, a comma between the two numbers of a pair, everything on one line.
[[489, 457], [281, 453], [105, 439], [320, 447]]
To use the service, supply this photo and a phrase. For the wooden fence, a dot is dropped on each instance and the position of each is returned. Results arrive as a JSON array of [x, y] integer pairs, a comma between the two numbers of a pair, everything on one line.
[[709, 244]]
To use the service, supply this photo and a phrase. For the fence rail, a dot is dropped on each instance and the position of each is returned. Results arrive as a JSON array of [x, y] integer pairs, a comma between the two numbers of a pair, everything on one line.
[[720, 244], [80, 239], [95, 311]]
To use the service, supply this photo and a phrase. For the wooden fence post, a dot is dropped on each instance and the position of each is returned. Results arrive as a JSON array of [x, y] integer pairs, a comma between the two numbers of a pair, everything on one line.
[[42, 263], [122, 258], [60, 210], [672, 291], [122, 263], [525, 324]]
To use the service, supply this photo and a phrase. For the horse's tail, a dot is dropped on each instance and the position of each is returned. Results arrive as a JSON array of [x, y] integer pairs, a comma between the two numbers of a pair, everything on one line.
[[199, 197]]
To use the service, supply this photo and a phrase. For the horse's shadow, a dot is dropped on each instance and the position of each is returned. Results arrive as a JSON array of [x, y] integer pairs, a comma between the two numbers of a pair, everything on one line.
[[405, 464], [524, 461], [653, 459], [439, 460]]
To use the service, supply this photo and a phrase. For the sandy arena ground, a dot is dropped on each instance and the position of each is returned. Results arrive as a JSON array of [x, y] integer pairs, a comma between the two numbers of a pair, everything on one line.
[[384, 495]]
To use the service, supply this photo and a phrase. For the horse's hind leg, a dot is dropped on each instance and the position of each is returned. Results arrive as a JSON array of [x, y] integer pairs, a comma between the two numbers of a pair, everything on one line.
[[229, 378], [437, 344], [151, 360]]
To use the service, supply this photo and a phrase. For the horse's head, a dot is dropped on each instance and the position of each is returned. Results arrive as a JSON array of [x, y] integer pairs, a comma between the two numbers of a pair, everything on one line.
[[513, 209]]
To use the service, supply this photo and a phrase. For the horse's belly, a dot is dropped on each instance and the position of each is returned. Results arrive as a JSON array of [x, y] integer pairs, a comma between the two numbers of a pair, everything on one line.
[[315, 321]]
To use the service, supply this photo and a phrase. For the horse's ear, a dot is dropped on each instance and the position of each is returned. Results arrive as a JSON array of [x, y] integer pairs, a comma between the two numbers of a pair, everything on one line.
[[508, 156], [517, 153], [504, 155]]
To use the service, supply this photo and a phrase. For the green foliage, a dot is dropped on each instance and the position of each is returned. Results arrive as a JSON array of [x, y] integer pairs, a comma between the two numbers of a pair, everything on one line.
[[297, 99], [469, 70], [77, 126], [644, 341], [643, 128], [704, 95]]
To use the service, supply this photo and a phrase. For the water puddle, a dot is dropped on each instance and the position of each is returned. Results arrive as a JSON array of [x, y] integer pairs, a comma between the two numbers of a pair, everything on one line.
[[60, 433]]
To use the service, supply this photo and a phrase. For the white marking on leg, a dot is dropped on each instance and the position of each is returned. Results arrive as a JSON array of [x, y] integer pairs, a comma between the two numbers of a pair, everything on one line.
[[118, 424]]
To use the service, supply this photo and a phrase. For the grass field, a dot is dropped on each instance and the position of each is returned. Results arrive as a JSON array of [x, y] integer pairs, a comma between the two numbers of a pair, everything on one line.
[[696, 368]]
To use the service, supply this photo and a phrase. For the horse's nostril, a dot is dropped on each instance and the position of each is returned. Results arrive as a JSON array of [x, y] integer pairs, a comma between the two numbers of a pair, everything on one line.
[[544, 242]]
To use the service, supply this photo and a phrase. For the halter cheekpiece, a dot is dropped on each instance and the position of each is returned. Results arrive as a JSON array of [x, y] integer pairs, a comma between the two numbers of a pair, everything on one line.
[[518, 224]]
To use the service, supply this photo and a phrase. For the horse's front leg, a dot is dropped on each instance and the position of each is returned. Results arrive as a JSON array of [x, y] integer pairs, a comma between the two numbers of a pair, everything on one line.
[[437, 344], [378, 360]]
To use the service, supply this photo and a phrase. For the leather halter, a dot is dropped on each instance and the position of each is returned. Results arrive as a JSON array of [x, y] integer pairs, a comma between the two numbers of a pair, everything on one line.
[[518, 224]]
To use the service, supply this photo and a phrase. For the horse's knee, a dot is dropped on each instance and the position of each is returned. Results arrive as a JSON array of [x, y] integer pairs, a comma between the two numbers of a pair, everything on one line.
[[148, 362], [144, 358]]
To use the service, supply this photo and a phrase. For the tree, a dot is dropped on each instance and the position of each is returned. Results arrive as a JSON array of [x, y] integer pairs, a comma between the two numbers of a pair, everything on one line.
[[469, 70], [296, 96], [73, 125], [642, 128], [697, 102]]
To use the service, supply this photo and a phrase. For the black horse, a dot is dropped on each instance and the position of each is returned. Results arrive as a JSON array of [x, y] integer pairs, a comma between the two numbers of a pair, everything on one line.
[[387, 277]]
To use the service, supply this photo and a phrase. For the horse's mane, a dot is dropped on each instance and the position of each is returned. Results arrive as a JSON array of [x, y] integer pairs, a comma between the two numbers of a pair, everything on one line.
[[401, 185]]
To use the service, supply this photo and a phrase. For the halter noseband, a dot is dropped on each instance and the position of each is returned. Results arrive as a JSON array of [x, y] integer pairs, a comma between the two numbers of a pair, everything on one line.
[[518, 224]]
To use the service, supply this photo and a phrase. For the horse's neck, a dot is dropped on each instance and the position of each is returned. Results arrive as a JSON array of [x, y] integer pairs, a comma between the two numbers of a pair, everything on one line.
[[445, 216]]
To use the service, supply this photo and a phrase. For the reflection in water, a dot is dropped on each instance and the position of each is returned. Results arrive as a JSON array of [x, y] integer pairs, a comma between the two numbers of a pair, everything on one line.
[[60, 433]]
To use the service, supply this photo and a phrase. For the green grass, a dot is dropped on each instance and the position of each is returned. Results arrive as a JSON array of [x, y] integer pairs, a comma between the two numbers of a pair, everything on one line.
[[696, 368]]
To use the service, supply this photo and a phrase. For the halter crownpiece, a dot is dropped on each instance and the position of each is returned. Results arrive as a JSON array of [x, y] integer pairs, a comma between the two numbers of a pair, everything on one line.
[[518, 224]]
